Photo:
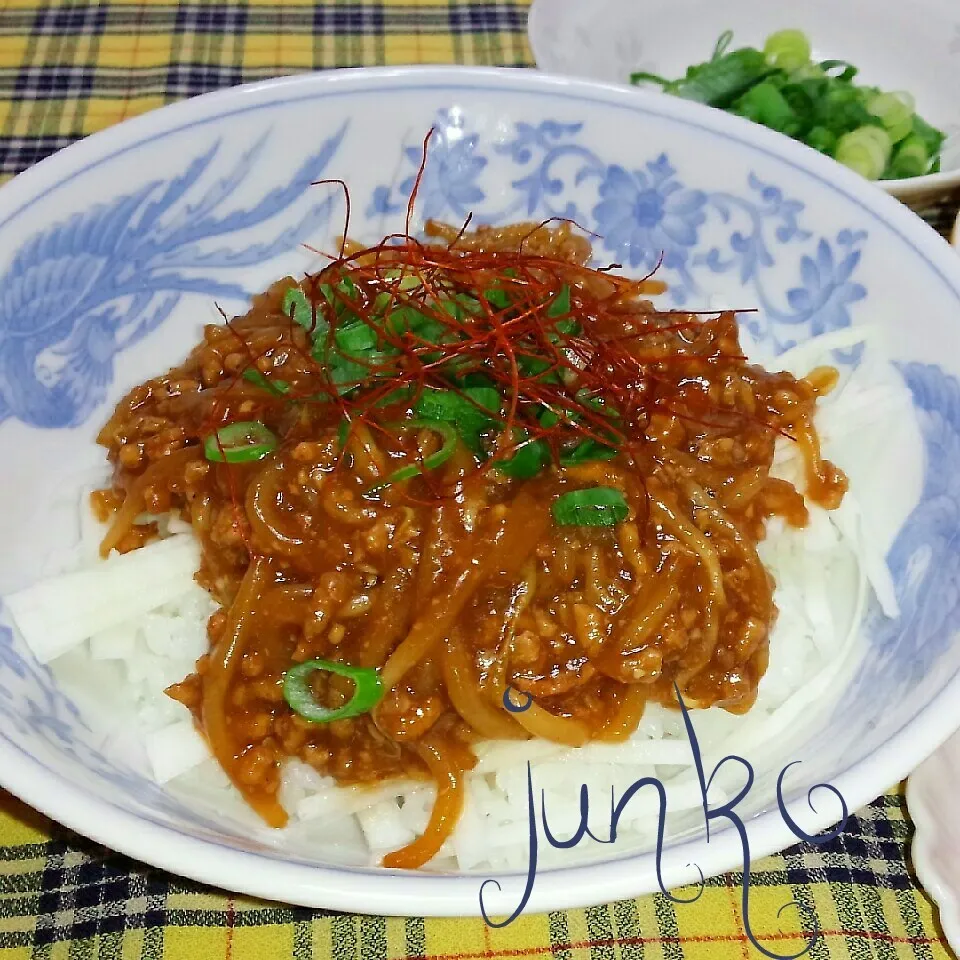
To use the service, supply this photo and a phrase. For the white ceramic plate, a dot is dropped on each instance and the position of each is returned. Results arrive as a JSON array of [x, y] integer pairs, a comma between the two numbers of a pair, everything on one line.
[[914, 47], [113, 251]]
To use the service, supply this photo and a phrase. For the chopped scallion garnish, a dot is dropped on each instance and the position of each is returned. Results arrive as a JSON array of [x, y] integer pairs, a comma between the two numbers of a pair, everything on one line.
[[240, 442], [367, 691], [448, 437], [275, 386], [560, 305], [781, 88], [531, 457], [298, 307], [466, 409], [592, 507]]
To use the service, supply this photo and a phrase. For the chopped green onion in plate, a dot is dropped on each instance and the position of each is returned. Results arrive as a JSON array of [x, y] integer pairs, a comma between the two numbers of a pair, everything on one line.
[[818, 103]]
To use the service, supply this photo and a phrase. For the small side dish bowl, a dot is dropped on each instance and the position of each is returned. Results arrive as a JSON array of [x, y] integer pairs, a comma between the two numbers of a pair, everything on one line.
[[912, 48], [114, 252]]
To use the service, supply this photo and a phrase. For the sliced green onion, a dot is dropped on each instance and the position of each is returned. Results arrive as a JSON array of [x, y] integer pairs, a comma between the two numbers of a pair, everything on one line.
[[381, 301], [549, 418], [343, 431], [722, 44], [367, 691], [461, 305], [910, 159], [408, 281], [386, 297], [407, 319], [894, 111], [349, 358], [498, 298], [901, 131], [822, 139], [345, 373], [807, 71], [719, 82], [766, 105], [449, 437], [298, 307], [865, 150], [466, 409], [346, 289], [816, 103], [240, 442], [932, 137], [560, 305], [592, 507], [536, 367], [891, 108], [529, 459], [587, 450], [399, 395], [355, 338], [641, 76], [277, 387], [787, 49], [452, 407], [486, 397], [476, 378], [847, 70]]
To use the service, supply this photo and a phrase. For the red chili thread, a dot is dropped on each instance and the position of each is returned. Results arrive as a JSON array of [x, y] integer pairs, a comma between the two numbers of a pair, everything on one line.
[[598, 362]]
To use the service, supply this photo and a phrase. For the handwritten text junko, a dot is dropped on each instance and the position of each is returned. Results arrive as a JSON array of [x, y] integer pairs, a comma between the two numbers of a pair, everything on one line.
[[723, 812]]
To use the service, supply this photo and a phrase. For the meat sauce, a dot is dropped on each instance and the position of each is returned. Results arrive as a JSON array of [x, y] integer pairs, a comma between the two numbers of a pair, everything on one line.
[[461, 587]]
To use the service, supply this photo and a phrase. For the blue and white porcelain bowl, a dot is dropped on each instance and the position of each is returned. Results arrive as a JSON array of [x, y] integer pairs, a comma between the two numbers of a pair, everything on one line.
[[113, 252]]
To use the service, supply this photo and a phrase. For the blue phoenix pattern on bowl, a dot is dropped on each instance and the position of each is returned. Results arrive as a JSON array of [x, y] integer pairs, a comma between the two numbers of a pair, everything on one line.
[[102, 280], [85, 289], [923, 560]]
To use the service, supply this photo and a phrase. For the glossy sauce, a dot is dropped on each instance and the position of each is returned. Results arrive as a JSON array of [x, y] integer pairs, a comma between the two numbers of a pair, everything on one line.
[[481, 588]]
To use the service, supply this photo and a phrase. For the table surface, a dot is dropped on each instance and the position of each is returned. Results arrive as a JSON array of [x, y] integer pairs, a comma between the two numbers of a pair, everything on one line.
[[69, 68]]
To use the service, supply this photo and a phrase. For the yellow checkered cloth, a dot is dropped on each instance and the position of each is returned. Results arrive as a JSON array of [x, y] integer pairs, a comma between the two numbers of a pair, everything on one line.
[[69, 68]]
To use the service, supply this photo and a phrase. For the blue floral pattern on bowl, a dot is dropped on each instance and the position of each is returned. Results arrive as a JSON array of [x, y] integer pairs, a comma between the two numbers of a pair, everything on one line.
[[647, 218], [648, 215], [923, 560]]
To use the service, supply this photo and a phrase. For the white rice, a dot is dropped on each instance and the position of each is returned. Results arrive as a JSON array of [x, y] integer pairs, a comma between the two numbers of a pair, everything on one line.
[[137, 623]]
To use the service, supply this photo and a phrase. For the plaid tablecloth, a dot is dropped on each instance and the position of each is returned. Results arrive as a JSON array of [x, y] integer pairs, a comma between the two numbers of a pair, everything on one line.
[[69, 68]]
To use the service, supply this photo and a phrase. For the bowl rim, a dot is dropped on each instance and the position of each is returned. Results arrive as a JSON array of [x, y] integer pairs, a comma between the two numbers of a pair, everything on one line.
[[377, 890], [909, 188]]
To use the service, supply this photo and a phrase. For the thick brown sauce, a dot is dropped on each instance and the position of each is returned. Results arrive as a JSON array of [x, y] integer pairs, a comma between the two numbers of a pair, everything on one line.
[[590, 622]]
